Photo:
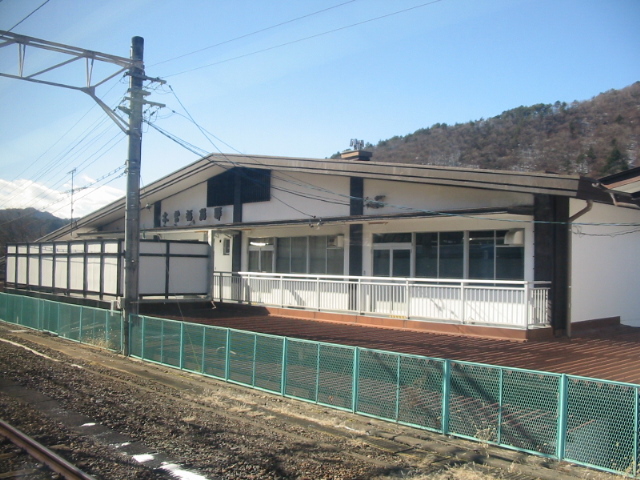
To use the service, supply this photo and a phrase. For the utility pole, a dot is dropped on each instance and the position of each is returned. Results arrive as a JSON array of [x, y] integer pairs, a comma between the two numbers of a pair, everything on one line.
[[135, 68], [132, 212]]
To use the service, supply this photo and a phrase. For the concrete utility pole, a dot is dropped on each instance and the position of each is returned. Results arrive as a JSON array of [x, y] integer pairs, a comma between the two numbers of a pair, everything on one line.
[[135, 68], [132, 213]]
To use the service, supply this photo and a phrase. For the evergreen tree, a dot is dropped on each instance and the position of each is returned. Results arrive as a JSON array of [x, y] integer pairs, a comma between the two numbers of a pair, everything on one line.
[[616, 161]]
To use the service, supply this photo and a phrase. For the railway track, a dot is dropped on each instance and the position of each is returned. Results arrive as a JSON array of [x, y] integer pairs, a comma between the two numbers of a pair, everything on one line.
[[42, 454]]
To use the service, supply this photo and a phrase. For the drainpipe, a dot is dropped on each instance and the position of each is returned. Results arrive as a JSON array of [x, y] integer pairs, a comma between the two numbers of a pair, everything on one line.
[[618, 203], [587, 208]]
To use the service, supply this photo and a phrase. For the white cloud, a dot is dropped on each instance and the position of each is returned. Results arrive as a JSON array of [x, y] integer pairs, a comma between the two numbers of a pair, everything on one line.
[[26, 193]]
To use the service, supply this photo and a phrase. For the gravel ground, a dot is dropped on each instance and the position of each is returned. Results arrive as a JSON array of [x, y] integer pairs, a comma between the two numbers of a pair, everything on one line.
[[234, 442], [213, 429]]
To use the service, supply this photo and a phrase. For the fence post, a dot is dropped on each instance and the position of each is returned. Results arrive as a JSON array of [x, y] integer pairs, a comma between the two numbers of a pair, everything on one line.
[[397, 388], [255, 351], [204, 348], [283, 377], [226, 359], [122, 326], [181, 345], [446, 389], [635, 433], [144, 336], [40, 315], [317, 371], [562, 416], [162, 342], [80, 325], [500, 392], [354, 383]]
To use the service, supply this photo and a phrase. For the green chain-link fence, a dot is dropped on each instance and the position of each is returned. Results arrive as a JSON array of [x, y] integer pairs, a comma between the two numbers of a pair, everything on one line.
[[582, 420], [95, 326]]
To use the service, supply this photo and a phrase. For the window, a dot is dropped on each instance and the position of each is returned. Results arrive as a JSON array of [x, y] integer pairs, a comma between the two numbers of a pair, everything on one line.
[[481, 255], [491, 259], [318, 255], [392, 254], [254, 184], [440, 255], [261, 255]]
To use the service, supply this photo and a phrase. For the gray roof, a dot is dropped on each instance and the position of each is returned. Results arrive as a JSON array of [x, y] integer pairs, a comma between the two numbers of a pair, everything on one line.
[[498, 180]]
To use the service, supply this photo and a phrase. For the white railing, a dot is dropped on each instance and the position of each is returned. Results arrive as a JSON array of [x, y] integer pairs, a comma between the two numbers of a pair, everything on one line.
[[516, 304]]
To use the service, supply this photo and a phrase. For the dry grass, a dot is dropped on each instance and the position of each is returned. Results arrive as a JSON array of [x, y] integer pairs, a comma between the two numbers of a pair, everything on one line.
[[462, 472]]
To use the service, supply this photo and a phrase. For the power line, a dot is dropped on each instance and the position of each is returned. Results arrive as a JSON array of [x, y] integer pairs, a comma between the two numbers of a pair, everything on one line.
[[45, 2], [253, 33], [85, 140], [198, 151], [65, 134], [292, 42], [64, 205]]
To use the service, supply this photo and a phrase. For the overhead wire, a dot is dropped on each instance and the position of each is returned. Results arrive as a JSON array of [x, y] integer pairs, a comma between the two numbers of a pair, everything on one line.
[[89, 128], [34, 11], [88, 138], [309, 37], [67, 194], [204, 133], [271, 27]]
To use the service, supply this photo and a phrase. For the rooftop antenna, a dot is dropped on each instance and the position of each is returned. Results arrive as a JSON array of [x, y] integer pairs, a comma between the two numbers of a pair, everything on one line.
[[357, 144]]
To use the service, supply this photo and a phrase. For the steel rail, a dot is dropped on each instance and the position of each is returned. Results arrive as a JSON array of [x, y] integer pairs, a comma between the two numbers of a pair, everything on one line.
[[42, 454]]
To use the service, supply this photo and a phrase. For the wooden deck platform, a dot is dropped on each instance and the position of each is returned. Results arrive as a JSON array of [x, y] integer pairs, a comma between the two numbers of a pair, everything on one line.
[[611, 353]]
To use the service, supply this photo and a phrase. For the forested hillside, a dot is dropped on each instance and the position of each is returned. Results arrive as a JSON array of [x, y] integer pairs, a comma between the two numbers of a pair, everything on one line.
[[26, 225], [596, 137]]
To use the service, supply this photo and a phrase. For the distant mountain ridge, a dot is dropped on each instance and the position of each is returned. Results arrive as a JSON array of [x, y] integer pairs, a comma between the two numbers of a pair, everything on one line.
[[595, 137], [20, 225]]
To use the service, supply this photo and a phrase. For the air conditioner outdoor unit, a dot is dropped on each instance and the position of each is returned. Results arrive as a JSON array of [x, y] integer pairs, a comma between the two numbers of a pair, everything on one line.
[[514, 237], [335, 241]]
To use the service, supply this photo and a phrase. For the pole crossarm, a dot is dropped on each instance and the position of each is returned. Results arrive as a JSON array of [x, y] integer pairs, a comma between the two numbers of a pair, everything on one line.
[[88, 86], [23, 41]]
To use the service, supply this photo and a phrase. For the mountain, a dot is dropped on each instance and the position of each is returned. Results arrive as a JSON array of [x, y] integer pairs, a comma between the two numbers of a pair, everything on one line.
[[595, 137], [19, 225]]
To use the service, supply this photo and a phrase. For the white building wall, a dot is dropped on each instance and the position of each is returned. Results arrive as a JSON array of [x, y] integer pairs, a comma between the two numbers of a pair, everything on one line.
[[194, 199], [605, 264], [400, 197]]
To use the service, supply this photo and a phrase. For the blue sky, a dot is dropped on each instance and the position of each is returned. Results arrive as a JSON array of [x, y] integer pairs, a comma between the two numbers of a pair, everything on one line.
[[316, 74]]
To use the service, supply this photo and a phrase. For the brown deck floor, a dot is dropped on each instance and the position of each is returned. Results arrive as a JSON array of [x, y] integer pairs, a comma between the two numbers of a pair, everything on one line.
[[611, 353]]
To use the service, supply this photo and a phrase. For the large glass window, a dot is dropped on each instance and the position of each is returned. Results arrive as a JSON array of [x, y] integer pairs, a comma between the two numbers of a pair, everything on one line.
[[509, 259], [481, 255], [298, 255], [261, 255], [318, 255], [440, 255]]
